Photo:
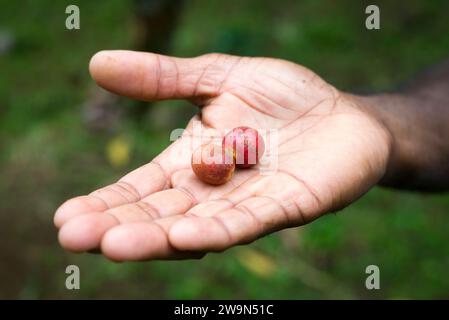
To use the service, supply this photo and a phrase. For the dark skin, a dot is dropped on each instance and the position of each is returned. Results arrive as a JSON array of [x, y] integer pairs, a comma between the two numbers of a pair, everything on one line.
[[417, 116], [333, 147]]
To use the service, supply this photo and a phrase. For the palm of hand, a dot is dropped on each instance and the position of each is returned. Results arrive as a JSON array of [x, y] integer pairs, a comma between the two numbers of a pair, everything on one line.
[[328, 154]]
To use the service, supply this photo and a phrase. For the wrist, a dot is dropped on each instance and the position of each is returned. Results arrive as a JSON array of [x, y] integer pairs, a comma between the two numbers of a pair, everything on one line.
[[385, 110], [416, 126]]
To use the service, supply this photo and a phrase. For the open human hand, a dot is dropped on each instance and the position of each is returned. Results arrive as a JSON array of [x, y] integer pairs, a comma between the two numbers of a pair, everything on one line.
[[329, 153]]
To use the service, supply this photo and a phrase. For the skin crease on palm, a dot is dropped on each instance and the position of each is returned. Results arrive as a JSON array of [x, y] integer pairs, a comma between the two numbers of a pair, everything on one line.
[[330, 152]]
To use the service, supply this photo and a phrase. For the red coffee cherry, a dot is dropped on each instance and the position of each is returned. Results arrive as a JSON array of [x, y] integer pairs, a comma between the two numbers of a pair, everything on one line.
[[248, 146], [213, 164]]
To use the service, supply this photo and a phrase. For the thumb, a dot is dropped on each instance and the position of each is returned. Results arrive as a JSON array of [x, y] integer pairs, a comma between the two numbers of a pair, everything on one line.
[[149, 76]]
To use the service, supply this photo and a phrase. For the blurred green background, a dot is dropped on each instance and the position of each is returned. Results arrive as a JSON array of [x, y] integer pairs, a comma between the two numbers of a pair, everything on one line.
[[48, 154]]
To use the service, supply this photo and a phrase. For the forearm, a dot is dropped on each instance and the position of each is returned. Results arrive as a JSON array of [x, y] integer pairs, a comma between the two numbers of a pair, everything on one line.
[[417, 119]]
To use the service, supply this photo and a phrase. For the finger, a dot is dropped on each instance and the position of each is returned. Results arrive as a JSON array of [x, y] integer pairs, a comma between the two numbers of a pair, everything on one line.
[[260, 205], [288, 190], [187, 192], [227, 226], [149, 76], [139, 183], [152, 177], [156, 206], [143, 241], [84, 232]]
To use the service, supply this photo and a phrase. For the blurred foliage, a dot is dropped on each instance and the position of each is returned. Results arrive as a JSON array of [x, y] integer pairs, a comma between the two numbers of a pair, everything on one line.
[[47, 155]]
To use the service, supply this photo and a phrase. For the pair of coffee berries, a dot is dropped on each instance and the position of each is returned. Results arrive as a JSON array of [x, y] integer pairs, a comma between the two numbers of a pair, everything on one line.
[[215, 164]]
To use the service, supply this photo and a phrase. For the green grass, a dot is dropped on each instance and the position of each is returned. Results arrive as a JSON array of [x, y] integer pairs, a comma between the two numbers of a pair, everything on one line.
[[47, 155]]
